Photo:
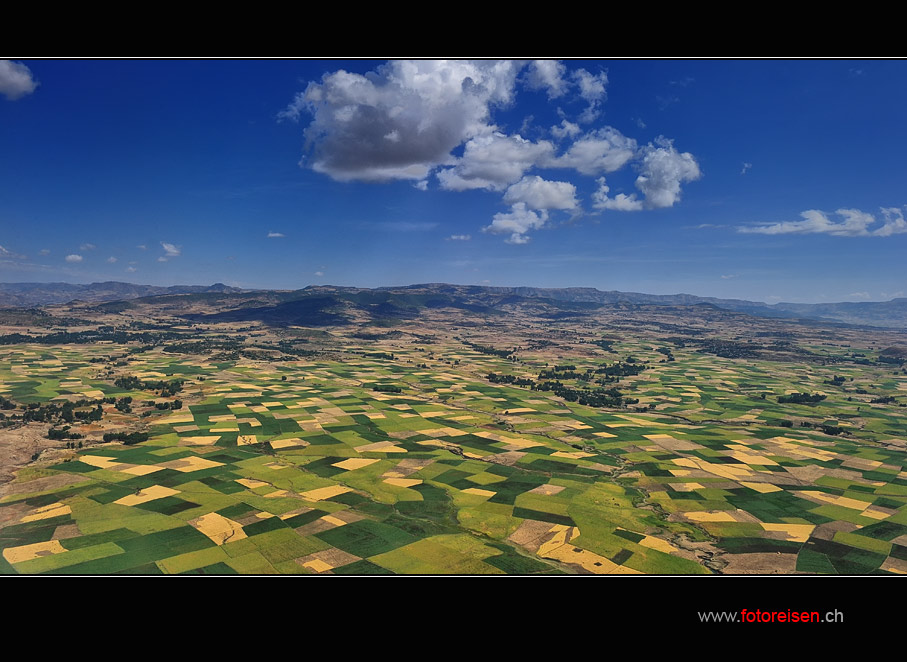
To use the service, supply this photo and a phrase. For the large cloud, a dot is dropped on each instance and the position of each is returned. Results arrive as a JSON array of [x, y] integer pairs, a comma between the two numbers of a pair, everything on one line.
[[407, 120], [15, 80], [854, 223], [404, 119], [494, 161]]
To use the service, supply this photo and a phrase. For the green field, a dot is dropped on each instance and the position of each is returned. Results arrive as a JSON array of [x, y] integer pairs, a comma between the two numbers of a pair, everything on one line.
[[301, 466]]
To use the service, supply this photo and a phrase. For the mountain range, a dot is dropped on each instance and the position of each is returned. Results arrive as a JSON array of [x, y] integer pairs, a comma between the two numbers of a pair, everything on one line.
[[322, 305]]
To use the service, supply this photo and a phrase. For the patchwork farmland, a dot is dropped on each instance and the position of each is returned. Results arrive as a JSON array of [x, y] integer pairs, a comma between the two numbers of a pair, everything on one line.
[[620, 443]]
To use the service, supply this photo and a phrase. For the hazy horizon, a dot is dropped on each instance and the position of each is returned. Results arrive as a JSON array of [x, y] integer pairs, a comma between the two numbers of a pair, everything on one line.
[[291, 288], [766, 181]]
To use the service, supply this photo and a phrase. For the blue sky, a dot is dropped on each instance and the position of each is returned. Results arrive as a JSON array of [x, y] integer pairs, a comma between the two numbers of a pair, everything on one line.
[[762, 180]]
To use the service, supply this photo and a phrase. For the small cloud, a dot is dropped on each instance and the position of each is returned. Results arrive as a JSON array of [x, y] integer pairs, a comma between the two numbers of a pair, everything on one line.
[[772, 297], [319, 273], [746, 166], [111, 259], [640, 123], [517, 223], [16, 80], [859, 295], [73, 258], [665, 102], [274, 235], [729, 276], [44, 251], [163, 259], [459, 237], [87, 247], [855, 72], [566, 129], [421, 185], [703, 226], [131, 270], [170, 250], [142, 247], [548, 75], [892, 295], [8, 254], [408, 226], [683, 82]]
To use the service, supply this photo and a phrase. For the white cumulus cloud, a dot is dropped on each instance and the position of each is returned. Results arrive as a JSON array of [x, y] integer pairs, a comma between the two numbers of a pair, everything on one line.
[[620, 202], [517, 222], [412, 120], [538, 193], [16, 80], [592, 89], [170, 250], [853, 223], [494, 161], [662, 172], [548, 74], [402, 120], [566, 129], [894, 222], [603, 150], [275, 235], [73, 258]]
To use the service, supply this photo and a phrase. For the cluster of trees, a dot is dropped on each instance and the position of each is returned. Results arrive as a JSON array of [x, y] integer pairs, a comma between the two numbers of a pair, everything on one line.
[[801, 398], [176, 404], [87, 337], [598, 397], [387, 388], [203, 346], [64, 433], [67, 412], [884, 400], [667, 352], [628, 368], [172, 387], [484, 349], [495, 378], [567, 374], [126, 437], [382, 355], [825, 427]]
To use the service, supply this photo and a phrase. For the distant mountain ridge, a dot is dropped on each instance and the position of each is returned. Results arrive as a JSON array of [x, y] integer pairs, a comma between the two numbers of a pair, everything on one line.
[[16, 295], [318, 303]]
